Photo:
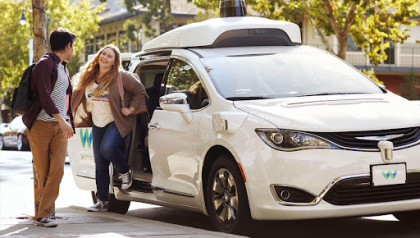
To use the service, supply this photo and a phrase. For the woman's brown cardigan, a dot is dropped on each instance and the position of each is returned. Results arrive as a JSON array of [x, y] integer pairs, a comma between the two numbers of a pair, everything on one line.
[[134, 93]]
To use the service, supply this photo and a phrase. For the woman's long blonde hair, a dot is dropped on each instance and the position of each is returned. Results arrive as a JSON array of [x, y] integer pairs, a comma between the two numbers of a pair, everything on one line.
[[90, 70]]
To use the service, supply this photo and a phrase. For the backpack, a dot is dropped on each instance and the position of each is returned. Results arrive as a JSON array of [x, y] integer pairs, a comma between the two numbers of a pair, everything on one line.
[[23, 97]]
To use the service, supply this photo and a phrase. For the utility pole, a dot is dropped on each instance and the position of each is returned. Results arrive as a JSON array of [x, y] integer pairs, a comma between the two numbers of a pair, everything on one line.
[[40, 43]]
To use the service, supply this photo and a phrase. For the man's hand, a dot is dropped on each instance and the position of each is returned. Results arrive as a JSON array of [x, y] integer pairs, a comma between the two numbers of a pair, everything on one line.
[[65, 126]]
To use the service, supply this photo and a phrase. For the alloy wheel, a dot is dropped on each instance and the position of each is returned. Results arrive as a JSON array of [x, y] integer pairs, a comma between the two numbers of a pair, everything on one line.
[[224, 196]]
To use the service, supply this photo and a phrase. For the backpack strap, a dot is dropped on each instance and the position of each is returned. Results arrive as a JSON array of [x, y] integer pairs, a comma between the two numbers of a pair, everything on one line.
[[52, 72]]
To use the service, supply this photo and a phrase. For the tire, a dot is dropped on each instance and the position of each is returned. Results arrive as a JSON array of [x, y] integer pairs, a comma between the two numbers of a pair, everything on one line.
[[114, 205], [410, 218], [226, 197], [2, 147], [117, 206]]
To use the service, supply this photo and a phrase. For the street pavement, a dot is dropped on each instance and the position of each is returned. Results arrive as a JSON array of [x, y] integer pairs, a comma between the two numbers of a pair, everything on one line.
[[16, 209], [144, 220]]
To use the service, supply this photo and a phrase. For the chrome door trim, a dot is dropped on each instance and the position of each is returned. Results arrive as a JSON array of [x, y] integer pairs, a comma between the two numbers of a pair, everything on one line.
[[173, 192]]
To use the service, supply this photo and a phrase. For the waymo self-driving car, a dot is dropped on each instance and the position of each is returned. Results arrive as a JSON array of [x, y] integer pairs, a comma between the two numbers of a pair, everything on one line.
[[245, 123]]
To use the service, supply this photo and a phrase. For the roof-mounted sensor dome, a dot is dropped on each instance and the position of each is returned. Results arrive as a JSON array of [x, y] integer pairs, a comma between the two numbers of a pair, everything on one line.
[[232, 8]]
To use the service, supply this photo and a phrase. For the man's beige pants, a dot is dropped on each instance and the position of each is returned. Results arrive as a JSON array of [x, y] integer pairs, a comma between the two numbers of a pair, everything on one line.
[[49, 148]]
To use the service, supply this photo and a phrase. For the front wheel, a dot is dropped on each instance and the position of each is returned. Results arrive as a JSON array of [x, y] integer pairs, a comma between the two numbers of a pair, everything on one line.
[[411, 218], [226, 197]]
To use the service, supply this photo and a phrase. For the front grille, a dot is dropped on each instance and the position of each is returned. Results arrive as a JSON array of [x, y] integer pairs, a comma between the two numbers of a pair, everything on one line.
[[350, 140], [360, 191]]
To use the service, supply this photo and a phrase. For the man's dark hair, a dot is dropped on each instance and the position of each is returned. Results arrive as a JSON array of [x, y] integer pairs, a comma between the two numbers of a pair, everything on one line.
[[60, 37]]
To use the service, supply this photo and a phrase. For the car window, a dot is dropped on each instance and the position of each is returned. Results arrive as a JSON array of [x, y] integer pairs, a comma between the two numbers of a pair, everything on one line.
[[290, 73], [182, 78]]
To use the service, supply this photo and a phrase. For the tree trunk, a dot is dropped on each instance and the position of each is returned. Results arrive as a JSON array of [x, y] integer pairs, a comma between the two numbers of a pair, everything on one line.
[[342, 47], [40, 28]]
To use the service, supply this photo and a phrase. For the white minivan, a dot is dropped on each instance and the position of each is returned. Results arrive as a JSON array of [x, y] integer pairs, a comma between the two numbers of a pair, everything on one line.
[[245, 123]]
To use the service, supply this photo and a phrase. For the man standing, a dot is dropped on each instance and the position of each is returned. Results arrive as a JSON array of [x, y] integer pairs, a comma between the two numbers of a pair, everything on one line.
[[50, 123]]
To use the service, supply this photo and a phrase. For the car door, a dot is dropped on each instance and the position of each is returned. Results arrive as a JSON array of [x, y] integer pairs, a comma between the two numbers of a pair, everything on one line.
[[80, 151], [175, 144]]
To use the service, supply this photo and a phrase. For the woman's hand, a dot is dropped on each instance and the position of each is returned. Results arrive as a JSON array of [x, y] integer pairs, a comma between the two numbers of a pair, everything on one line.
[[127, 111]]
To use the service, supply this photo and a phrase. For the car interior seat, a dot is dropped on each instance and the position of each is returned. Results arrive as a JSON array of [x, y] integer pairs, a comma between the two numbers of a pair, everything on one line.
[[154, 93]]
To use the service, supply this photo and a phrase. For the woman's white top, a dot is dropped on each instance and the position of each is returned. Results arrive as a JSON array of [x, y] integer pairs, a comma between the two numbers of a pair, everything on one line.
[[99, 106]]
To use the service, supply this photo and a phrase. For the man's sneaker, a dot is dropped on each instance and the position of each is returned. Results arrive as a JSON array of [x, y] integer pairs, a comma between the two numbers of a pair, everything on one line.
[[52, 215], [45, 222], [100, 206], [127, 180]]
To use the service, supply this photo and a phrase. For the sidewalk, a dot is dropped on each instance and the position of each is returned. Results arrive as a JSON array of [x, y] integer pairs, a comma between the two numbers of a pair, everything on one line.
[[77, 222]]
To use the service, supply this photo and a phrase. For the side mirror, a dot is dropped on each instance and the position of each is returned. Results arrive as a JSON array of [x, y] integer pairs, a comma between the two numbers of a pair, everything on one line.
[[177, 102]]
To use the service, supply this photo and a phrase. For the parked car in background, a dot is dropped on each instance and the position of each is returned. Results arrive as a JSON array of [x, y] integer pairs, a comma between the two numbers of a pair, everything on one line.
[[3, 127], [13, 135]]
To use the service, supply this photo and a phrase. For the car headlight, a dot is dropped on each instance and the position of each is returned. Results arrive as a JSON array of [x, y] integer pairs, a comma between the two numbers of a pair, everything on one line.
[[293, 140]]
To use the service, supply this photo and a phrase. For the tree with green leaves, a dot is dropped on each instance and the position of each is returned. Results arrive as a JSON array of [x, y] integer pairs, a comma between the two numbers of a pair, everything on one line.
[[159, 10], [211, 9], [81, 18], [372, 24], [133, 31]]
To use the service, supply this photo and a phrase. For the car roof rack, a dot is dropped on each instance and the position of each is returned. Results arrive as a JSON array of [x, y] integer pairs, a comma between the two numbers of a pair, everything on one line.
[[228, 32]]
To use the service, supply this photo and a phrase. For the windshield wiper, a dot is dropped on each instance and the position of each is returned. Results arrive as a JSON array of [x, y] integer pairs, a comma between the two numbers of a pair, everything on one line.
[[323, 94], [245, 98]]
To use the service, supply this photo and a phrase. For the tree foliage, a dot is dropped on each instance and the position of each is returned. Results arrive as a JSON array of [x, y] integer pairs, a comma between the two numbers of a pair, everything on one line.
[[80, 18], [159, 10], [369, 22], [133, 32], [211, 9]]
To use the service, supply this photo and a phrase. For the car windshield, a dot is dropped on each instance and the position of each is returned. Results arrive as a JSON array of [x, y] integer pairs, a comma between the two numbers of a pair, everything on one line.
[[286, 73]]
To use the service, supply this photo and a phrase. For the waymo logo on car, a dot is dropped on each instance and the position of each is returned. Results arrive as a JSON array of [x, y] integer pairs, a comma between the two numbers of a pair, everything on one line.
[[390, 174], [86, 137]]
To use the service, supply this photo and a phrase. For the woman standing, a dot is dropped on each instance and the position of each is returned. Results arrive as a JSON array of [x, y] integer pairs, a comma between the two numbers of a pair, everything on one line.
[[97, 103]]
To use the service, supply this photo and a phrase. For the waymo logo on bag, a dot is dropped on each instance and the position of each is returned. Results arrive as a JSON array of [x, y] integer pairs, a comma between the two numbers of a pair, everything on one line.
[[86, 138], [390, 174]]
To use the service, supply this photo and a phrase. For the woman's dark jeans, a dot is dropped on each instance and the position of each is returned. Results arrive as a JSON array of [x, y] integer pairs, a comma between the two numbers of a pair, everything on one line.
[[107, 147]]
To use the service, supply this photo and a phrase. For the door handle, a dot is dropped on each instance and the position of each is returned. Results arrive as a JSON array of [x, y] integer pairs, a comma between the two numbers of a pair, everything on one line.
[[154, 126]]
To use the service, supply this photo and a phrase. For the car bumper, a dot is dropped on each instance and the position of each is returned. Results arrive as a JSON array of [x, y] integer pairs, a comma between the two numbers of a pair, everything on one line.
[[315, 172]]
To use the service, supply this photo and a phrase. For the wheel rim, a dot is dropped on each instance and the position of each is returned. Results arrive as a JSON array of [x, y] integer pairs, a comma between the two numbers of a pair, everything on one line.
[[225, 197], [19, 142]]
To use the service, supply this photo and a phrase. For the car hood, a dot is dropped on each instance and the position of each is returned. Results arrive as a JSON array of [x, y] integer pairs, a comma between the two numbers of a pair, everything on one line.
[[336, 113]]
